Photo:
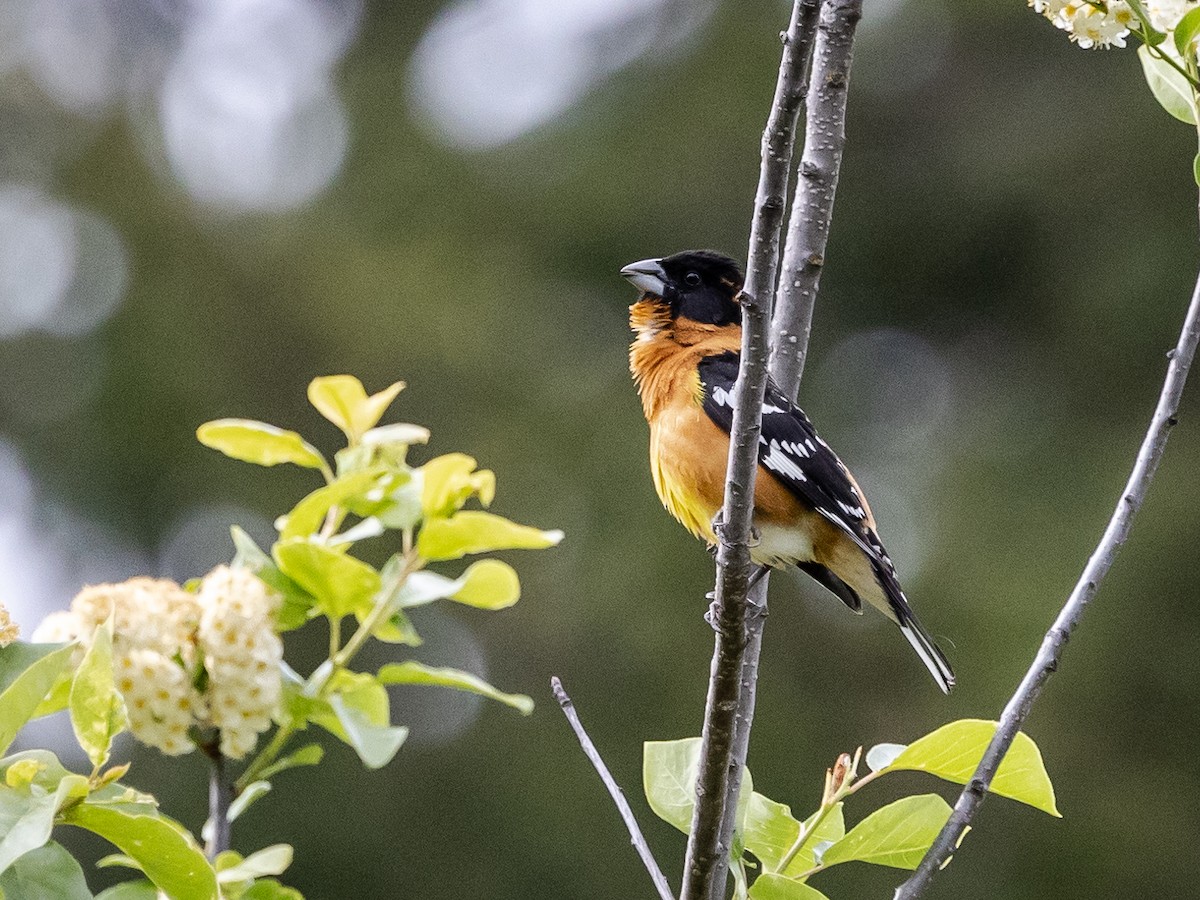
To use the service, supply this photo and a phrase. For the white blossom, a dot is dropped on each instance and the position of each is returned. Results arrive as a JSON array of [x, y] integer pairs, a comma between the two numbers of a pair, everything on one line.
[[8, 628], [160, 698], [242, 653]]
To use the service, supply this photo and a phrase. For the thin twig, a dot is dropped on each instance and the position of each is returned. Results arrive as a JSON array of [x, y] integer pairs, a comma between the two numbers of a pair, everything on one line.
[[1056, 638], [614, 790], [728, 705], [808, 225]]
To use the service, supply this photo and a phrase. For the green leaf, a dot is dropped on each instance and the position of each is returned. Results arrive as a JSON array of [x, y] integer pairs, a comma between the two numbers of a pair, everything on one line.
[[1170, 88], [48, 873], [297, 603], [166, 852], [953, 752], [486, 584], [776, 887], [272, 860], [343, 401], [669, 779], [97, 709], [253, 792], [259, 443], [308, 755], [27, 674], [374, 744], [1196, 164], [1185, 33], [411, 672], [771, 830], [472, 531], [308, 515], [448, 481], [270, 889], [338, 581], [130, 890], [357, 712], [896, 835], [27, 813], [117, 860]]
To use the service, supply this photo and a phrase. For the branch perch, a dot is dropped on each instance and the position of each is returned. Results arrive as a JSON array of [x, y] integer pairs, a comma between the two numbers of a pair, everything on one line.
[[614, 790], [812, 213], [738, 618], [1046, 663]]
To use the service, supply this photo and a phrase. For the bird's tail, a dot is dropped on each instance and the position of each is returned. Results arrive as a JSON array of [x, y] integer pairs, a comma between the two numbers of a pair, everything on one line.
[[933, 658], [913, 630]]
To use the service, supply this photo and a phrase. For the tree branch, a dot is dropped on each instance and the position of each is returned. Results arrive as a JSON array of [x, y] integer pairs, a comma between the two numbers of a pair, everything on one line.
[[1085, 589], [220, 795], [808, 225], [614, 790], [728, 706]]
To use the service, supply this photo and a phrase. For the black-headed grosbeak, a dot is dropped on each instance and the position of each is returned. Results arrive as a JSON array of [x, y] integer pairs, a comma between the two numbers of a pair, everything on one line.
[[808, 509]]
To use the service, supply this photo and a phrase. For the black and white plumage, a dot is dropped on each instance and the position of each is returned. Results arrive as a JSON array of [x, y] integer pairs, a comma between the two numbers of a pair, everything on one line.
[[792, 451], [808, 510]]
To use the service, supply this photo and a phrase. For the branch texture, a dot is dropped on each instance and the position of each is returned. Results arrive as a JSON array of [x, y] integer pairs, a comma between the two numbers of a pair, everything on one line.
[[728, 707], [614, 790], [1085, 589], [808, 225]]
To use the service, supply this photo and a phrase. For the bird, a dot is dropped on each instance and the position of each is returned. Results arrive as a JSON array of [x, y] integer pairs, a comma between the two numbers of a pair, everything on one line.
[[809, 512]]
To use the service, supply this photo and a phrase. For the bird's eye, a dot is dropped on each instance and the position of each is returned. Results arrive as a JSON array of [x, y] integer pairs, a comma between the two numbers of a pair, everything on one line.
[[691, 279]]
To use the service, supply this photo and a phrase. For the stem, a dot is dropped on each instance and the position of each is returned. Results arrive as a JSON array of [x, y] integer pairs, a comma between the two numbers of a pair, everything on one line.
[[265, 757], [1048, 657], [220, 795], [337, 659], [808, 225], [382, 607], [335, 636], [729, 709], [614, 790]]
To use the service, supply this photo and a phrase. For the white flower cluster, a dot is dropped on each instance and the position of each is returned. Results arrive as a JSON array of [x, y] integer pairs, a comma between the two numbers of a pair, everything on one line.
[[1106, 23], [8, 628], [241, 655], [1102, 26], [163, 635]]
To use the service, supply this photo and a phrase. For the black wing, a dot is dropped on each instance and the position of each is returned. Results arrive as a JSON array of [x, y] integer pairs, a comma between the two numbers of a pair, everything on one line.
[[792, 451]]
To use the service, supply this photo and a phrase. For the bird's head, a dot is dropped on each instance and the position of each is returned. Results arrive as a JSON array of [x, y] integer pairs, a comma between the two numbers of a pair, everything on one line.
[[696, 289]]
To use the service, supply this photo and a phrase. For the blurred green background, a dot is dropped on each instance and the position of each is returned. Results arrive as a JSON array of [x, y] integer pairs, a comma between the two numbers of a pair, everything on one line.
[[203, 206]]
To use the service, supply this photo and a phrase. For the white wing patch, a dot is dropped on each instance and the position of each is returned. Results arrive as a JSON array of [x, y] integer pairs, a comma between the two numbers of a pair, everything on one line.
[[855, 512], [722, 397], [777, 460]]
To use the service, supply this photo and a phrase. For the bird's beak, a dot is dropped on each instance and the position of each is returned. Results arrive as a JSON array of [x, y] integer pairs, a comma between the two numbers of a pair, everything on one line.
[[647, 276]]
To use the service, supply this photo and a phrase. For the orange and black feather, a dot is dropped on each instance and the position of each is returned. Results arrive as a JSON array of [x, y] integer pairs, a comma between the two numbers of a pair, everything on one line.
[[808, 509]]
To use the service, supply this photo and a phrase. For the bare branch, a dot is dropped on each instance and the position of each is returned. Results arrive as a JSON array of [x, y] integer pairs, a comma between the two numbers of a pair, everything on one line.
[[719, 778], [614, 790], [1056, 638], [808, 225]]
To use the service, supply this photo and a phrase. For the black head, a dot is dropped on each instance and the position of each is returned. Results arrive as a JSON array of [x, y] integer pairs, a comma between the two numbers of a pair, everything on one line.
[[697, 284]]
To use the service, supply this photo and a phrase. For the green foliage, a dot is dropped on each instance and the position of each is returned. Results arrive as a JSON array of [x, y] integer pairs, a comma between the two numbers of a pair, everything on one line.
[[410, 672], [669, 778], [28, 673], [259, 443], [47, 873], [97, 708], [1169, 86], [789, 851], [953, 752], [370, 493]]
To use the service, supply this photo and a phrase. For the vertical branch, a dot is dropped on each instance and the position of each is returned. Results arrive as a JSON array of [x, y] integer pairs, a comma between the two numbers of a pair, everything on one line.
[[719, 778], [808, 226], [1085, 589], [220, 795]]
